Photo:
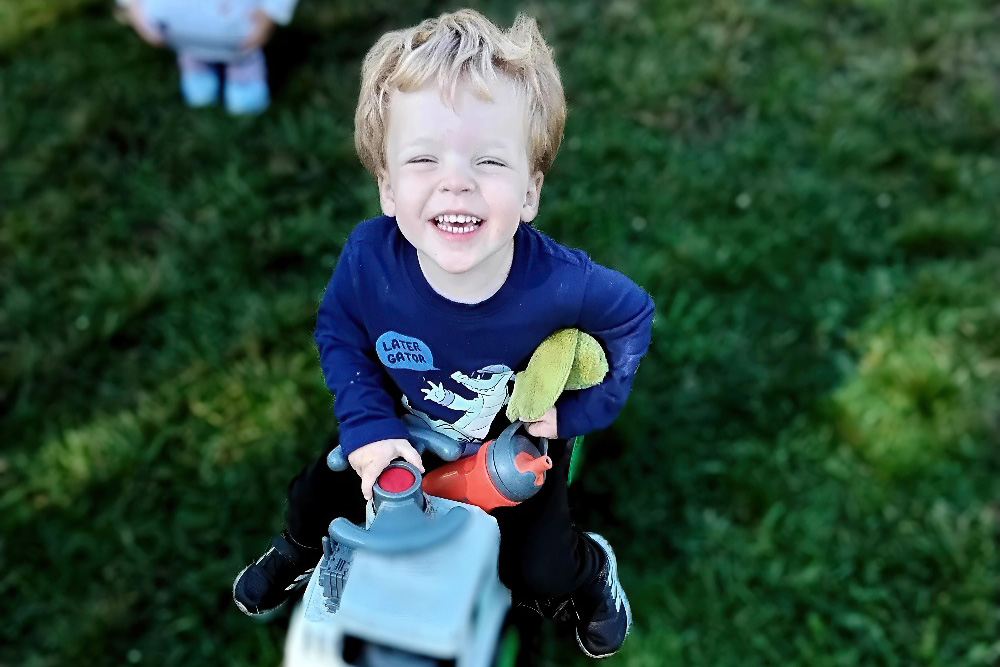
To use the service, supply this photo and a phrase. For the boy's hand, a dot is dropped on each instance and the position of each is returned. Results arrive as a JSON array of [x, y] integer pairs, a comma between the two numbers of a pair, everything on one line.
[[260, 31], [369, 461], [137, 19], [545, 426]]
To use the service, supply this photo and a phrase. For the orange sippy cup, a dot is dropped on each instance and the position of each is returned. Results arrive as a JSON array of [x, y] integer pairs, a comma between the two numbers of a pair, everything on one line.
[[503, 473]]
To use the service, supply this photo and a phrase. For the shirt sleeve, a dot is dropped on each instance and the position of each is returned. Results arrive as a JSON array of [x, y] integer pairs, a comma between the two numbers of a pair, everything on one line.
[[364, 409], [619, 314]]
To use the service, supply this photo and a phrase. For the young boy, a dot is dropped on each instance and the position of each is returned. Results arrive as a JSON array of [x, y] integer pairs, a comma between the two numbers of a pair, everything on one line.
[[458, 122]]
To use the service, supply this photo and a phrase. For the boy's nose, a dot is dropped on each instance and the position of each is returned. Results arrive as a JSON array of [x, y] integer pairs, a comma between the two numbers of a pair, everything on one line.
[[457, 181]]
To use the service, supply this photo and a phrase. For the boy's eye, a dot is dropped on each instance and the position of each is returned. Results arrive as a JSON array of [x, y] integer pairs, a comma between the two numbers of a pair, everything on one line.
[[493, 162], [423, 159]]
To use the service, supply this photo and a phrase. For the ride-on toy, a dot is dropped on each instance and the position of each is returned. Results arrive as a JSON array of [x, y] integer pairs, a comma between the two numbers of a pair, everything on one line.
[[418, 585]]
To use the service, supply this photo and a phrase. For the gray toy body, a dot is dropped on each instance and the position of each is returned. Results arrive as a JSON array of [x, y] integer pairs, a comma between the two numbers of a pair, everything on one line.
[[416, 587]]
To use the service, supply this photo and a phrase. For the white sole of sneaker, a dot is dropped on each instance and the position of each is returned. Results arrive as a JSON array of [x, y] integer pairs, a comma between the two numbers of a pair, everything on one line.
[[613, 575]]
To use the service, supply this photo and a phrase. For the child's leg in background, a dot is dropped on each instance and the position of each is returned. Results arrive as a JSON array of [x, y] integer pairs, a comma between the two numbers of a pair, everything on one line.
[[199, 81], [246, 84]]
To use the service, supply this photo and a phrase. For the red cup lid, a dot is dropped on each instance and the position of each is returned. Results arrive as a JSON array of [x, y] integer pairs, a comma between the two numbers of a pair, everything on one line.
[[396, 480]]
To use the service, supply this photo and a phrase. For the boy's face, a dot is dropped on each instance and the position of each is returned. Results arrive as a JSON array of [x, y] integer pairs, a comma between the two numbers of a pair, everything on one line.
[[459, 182]]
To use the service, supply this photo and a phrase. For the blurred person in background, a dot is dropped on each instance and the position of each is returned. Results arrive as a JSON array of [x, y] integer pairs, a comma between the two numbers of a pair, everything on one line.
[[219, 45]]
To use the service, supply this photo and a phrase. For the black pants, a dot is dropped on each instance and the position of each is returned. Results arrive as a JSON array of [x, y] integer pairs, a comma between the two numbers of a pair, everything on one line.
[[542, 554]]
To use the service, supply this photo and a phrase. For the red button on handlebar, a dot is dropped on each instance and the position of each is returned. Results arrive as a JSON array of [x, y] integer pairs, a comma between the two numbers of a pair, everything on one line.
[[396, 480]]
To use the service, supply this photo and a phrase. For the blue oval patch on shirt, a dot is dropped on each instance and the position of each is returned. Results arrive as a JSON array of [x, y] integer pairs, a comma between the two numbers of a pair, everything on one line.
[[398, 351]]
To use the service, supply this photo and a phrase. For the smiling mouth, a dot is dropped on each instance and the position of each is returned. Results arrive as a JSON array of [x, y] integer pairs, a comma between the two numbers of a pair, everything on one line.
[[457, 224]]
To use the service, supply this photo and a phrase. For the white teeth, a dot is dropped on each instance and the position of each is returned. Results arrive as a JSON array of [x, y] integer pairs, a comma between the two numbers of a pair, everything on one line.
[[456, 219], [447, 223], [457, 230]]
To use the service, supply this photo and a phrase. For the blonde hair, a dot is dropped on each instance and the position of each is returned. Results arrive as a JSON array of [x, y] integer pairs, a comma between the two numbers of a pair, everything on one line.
[[459, 48]]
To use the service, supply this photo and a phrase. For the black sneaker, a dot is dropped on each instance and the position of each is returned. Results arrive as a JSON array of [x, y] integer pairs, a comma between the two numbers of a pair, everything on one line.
[[284, 569], [603, 614], [560, 610]]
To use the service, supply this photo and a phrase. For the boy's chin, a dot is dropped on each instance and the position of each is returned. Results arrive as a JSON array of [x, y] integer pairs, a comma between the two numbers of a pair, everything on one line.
[[456, 269]]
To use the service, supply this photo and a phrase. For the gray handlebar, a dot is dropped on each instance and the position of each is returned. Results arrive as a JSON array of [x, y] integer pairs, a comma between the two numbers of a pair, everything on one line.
[[422, 437], [401, 529]]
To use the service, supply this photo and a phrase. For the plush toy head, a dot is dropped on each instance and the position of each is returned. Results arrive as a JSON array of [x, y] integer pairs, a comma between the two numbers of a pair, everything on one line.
[[567, 359]]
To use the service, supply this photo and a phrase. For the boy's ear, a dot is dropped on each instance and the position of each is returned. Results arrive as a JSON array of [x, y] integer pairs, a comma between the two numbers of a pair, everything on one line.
[[385, 195], [530, 207]]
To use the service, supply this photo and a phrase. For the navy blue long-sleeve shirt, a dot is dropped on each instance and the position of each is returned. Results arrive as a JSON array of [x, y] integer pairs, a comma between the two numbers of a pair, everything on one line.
[[389, 344]]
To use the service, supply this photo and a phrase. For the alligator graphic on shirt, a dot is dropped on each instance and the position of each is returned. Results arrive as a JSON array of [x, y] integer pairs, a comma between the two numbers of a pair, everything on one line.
[[489, 386]]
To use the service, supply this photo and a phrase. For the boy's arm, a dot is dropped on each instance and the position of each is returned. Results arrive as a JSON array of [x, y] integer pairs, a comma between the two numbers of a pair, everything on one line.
[[279, 11], [365, 411], [368, 423], [619, 314], [261, 27], [264, 18], [136, 15]]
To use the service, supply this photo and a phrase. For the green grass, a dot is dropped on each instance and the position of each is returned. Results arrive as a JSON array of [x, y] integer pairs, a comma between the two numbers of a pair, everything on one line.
[[807, 470]]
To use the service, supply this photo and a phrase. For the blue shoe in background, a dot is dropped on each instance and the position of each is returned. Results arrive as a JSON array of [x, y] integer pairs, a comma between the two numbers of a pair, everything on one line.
[[199, 87], [246, 97]]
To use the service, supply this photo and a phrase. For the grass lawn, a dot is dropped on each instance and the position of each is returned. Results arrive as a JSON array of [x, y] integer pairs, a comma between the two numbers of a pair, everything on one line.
[[807, 470]]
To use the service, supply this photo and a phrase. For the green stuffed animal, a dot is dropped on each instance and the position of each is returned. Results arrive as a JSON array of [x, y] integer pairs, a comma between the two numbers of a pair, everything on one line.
[[567, 359]]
